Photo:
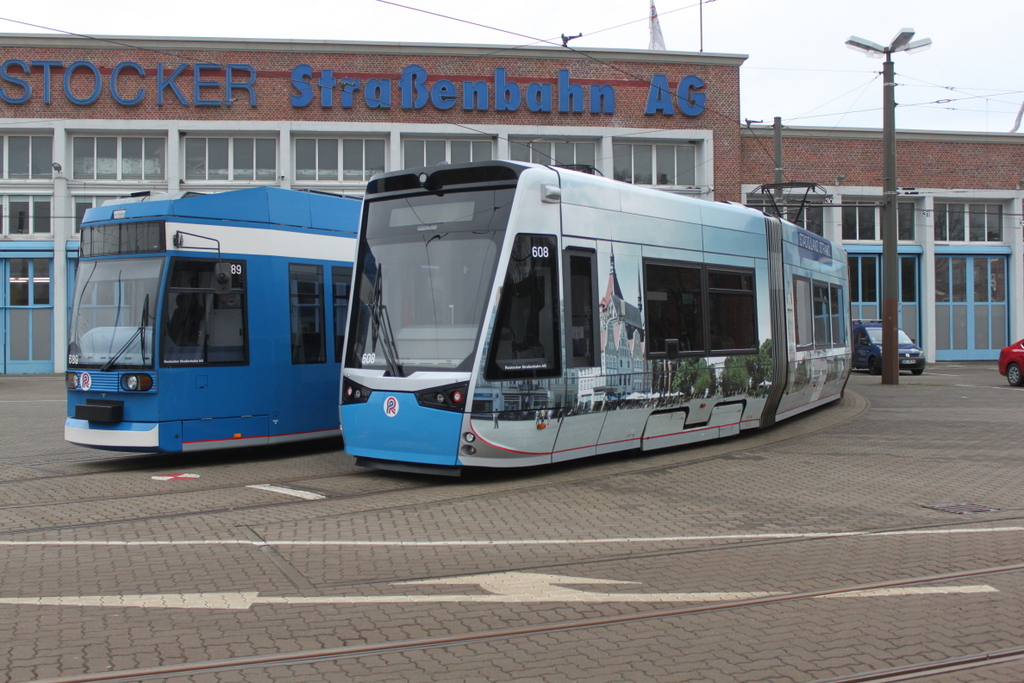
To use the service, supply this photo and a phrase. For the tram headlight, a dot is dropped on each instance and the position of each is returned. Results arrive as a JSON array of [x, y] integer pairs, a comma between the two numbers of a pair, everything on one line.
[[136, 381], [352, 392], [71, 380], [451, 397]]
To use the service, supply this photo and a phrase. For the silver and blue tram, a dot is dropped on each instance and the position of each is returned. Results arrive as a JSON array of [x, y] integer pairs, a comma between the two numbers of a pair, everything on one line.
[[511, 315], [209, 321]]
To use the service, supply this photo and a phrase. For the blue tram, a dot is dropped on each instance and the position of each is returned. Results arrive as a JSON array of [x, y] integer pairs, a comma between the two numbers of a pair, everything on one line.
[[209, 321], [509, 315]]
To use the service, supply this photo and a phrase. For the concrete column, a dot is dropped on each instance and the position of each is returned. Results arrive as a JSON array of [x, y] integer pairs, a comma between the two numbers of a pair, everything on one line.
[[62, 224], [926, 238]]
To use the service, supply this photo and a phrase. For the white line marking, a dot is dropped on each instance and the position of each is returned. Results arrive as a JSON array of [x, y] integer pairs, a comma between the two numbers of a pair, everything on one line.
[[507, 587], [527, 541], [308, 495]]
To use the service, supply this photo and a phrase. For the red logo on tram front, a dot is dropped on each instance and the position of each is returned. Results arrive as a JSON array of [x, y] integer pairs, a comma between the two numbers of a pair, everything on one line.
[[86, 381], [391, 406]]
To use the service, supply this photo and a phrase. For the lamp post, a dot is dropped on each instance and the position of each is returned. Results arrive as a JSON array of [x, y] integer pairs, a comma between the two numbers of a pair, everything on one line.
[[903, 42]]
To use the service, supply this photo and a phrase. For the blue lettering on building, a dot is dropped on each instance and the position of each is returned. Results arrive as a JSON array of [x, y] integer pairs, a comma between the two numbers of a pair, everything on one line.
[[8, 77], [83, 83], [128, 83]]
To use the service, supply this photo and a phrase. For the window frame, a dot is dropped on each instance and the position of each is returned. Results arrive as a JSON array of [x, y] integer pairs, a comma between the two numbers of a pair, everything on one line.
[[530, 151], [231, 173], [35, 216], [704, 316], [965, 214], [540, 261], [154, 143], [236, 298], [591, 322], [811, 322], [39, 157], [475, 144], [310, 275], [334, 147], [688, 176]]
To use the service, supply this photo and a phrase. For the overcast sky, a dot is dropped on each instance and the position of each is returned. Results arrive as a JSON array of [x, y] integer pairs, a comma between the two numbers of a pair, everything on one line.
[[798, 68]]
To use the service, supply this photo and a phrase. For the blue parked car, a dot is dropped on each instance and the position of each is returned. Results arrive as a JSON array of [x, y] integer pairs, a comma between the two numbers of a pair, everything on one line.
[[867, 348]]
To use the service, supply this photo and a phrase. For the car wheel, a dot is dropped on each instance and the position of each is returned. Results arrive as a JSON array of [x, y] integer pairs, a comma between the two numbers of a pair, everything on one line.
[[874, 367], [1013, 375], [918, 371]]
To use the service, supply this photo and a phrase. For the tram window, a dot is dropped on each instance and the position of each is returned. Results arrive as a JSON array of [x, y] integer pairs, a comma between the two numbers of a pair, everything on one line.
[[526, 336], [802, 312], [838, 319], [341, 281], [582, 290], [822, 327], [306, 286], [732, 314], [202, 327], [675, 310]]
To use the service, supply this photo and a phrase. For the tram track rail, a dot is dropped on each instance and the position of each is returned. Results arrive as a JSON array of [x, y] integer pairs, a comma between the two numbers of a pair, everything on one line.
[[184, 513], [987, 658], [208, 489]]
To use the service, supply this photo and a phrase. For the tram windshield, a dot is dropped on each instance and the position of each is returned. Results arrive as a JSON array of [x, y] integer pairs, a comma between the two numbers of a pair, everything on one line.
[[426, 264], [113, 313]]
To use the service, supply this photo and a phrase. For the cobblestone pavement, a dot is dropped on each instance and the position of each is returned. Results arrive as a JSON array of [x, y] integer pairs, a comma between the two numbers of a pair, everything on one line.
[[806, 552]]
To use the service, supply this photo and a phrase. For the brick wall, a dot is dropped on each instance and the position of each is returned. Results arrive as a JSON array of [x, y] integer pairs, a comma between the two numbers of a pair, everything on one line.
[[960, 161], [630, 73]]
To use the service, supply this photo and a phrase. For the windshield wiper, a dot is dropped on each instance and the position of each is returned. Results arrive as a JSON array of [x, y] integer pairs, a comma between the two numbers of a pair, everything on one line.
[[139, 334], [382, 327]]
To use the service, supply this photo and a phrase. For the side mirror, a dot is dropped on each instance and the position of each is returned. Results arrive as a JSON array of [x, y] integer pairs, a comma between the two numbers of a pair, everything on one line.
[[222, 278]]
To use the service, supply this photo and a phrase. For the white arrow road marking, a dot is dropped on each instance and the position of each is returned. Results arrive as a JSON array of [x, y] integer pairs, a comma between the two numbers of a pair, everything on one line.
[[508, 587]]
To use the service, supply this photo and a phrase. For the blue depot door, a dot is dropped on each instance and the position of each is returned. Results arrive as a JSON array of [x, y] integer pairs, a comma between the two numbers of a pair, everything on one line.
[[26, 316], [971, 310]]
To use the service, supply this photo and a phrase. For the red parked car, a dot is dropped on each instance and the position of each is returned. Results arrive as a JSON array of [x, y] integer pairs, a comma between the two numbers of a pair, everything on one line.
[[1011, 361]]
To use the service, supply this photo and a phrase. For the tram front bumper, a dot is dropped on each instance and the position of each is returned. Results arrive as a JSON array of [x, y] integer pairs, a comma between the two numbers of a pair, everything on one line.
[[122, 436], [406, 432]]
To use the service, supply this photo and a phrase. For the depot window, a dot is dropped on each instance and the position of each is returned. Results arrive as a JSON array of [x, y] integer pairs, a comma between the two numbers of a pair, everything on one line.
[[554, 152], [230, 158], [968, 222], [27, 156], [655, 164], [334, 159], [25, 215], [432, 152], [118, 158], [864, 221]]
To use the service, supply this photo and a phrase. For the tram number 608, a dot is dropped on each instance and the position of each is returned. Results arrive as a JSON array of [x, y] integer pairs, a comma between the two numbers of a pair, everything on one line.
[[540, 252]]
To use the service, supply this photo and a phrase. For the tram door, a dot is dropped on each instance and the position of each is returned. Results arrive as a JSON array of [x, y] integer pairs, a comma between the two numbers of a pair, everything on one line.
[[970, 307], [26, 316]]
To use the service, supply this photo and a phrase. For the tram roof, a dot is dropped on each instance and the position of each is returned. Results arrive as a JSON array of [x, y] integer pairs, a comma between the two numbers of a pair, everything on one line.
[[270, 207]]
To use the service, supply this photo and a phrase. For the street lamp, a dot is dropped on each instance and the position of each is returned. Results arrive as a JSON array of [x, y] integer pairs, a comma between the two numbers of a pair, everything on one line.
[[903, 42]]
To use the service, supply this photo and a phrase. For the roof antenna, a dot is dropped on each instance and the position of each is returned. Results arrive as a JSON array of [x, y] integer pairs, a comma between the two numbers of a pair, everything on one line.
[[566, 39]]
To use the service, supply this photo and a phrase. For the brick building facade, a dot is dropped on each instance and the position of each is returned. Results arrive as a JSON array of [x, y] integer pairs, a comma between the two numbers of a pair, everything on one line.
[[82, 120]]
